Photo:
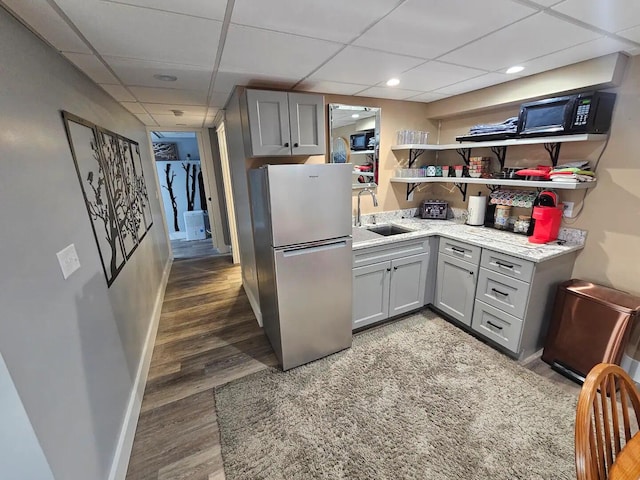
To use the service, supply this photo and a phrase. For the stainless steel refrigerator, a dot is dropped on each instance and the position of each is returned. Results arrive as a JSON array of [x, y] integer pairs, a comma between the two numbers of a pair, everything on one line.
[[302, 235]]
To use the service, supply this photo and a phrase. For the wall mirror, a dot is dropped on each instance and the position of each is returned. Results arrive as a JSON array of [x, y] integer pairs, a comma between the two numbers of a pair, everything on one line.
[[355, 138]]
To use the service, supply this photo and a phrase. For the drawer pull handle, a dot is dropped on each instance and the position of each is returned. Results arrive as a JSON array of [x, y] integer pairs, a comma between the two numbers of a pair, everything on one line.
[[499, 292], [494, 325], [504, 265], [457, 250]]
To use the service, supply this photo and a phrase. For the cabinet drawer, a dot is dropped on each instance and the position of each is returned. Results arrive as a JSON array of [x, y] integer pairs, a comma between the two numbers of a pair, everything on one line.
[[461, 250], [382, 253], [506, 293], [494, 324], [507, 265]]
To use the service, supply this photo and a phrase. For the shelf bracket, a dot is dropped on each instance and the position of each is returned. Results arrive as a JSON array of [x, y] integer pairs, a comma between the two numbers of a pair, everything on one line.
[[501, 155], [410, 188], [414, 153], [493, 188], [463, 190], [554, 151], [465, 153]]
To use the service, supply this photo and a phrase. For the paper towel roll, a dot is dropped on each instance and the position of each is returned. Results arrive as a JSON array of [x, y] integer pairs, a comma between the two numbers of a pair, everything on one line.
[[476, 206]]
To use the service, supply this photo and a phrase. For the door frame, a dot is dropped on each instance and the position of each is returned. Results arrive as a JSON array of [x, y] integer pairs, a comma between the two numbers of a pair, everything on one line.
[[209, 180]]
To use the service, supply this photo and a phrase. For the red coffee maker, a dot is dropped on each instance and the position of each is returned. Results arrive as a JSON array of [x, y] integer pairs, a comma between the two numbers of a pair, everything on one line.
[[546, 218], [547, 224]]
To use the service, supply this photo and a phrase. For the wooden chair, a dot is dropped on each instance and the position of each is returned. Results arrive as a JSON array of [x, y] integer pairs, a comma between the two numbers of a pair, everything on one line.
[[605, 424]]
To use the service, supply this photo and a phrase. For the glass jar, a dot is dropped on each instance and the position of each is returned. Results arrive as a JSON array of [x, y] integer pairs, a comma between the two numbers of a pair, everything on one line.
[[501, 219], [522, 224]]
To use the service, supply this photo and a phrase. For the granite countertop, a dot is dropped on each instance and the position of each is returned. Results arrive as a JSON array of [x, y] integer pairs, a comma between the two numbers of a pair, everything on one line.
[[496, 240]]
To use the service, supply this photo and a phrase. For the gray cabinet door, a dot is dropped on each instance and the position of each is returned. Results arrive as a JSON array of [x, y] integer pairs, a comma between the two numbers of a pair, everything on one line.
[[456, 287], [268, 113], [306, 120], [370, 294], [408, 279]]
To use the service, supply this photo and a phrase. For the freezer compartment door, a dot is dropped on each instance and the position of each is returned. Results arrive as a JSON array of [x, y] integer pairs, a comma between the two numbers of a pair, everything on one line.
[[309, 203], [314, 286]]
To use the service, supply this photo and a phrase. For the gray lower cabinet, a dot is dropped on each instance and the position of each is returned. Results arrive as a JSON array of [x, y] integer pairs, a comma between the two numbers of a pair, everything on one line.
[[502, 298], [456, 287], [514, 299], [391, 287]]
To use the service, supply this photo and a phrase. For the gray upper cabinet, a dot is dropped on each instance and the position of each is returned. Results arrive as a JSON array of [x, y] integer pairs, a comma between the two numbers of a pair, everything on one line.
[[283, 124], [306, 121]]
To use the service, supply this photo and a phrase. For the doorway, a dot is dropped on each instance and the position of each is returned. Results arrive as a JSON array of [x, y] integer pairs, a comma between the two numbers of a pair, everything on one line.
[[188, 194]]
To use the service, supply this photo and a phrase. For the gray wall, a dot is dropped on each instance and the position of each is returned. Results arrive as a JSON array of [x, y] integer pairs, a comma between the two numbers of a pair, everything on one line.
[[72, 347]]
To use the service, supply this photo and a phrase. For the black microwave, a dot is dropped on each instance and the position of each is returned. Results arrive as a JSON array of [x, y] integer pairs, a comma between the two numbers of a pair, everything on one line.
[[588, 112], [364, 140]]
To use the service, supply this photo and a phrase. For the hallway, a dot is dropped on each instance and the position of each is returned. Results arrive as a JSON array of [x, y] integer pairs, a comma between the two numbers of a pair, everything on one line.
[[207, 336]]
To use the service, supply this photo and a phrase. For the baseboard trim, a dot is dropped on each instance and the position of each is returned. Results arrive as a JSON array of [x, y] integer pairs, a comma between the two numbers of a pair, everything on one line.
[[255, 305], [122, 454]]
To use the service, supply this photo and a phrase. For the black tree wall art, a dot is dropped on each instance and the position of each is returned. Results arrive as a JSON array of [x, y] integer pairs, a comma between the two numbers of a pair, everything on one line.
[[109, 169]]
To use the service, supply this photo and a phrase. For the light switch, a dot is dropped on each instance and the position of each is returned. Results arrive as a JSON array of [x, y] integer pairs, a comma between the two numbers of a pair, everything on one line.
[[69, 261]]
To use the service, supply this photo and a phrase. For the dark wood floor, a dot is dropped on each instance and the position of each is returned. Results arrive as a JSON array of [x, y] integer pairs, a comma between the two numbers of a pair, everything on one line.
[[207, 336], [193, 248]]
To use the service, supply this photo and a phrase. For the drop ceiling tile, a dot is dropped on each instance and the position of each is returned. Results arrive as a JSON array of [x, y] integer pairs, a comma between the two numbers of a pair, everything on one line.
[[134, 107], [336, 88], [262, 52], [212, 9], [166, 109], [169, 95], [184, 121], [147, 120], [334, 20], [364, 66], [579, 53], [434, 75], [429, 28], [476, 83], [631, 33], [532, 37], [118, 92], [125, 31], [219, 100], [225, 81], [93, 67], [611, 16], [388, 92], [39, 15], [547, 3], [428, 97], [140, 73]]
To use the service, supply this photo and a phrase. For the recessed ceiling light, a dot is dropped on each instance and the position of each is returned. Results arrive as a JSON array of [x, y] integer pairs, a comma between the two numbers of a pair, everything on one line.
[[392, 82], [515, 69], [355, 115], [178, 113], [165, 78]]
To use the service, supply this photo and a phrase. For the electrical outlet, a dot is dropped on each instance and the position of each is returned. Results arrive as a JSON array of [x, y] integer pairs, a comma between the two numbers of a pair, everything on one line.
[[69, 261], [568, 209]]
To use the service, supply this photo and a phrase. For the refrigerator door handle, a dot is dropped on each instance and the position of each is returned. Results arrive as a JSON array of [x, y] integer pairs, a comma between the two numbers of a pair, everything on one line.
[[312, 248]]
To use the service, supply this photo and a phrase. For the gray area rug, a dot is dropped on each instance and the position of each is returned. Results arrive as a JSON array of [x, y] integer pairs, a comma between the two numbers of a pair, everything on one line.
[[415, 399]]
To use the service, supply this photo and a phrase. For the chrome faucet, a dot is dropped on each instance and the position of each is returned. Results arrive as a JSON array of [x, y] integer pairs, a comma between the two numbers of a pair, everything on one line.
[[375, 204]]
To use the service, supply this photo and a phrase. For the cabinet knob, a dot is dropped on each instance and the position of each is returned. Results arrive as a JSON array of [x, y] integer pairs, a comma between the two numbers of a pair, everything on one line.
[[395, 268], [286, 144], [470, 273], [295, 145], [388, 269]]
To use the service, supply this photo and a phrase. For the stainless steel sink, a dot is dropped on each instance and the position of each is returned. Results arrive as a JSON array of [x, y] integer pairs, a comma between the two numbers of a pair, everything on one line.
[[388, 230]]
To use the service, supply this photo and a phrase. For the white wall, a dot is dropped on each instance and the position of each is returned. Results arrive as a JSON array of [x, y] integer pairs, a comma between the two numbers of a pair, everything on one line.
[[72, 347]]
